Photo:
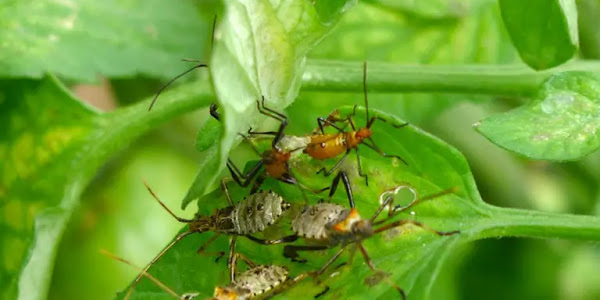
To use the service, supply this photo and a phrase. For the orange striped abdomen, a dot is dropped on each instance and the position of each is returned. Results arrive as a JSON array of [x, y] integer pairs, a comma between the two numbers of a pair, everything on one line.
[[324, 146]]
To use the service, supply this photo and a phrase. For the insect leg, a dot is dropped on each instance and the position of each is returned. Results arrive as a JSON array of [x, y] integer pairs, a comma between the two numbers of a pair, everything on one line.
[[148, 275], [241, 179], [232, 259], [260, 105], [370, 264], [202, 249], [393, 125], [337, 165], [326, 122], [331, 260], [291, 251], [145, 270], [257, 183], [344, 177], [399, 208], [248, 262], [415, 223], [374, 147], [286, 239], [359, 166]]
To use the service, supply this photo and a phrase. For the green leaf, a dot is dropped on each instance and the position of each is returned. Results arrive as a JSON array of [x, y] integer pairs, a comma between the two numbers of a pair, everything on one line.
[[50, 147], [435, 9], [381, 32], [83, 39], [543, 31], [246, 66], [560, 123], [413, 257]]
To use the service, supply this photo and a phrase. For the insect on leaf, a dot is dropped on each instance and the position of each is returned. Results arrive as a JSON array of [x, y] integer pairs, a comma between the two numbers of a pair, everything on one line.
[[260, 50]]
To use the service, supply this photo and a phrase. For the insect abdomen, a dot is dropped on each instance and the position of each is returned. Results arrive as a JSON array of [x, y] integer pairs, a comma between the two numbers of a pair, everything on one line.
[[260, 279], [314, 221], [257, 211], [326, 146]]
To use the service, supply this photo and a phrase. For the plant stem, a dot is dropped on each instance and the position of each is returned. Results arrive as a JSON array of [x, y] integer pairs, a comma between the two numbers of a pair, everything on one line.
[[510, 222], [508, 80]]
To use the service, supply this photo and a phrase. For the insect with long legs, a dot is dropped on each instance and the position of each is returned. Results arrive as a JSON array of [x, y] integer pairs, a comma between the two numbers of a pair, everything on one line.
[[251, 215], [274, 161], [257, 282], [325, 146], [327, 225]]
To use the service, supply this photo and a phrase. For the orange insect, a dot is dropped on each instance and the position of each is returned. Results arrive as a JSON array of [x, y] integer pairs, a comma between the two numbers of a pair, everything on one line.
[[329, 145]]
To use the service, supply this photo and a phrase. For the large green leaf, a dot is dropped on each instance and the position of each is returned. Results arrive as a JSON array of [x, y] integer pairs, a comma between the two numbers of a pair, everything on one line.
[[83, 39], [544, 31], [50, 147], [380, 32], [413, 257], [560, 123], [259, 50]]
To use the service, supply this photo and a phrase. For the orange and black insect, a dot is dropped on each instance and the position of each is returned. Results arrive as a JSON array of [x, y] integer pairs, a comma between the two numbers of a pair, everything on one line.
[[274, 161], [251, 215], [329, 145]]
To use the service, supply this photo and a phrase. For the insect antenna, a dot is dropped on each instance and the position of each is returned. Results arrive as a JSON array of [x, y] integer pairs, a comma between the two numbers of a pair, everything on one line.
[[367, 121], [148, 275], [145, 270], [180, 219], [199, 65]]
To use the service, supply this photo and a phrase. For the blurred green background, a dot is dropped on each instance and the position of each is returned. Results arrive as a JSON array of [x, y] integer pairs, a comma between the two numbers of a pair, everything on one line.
[[117, 214]]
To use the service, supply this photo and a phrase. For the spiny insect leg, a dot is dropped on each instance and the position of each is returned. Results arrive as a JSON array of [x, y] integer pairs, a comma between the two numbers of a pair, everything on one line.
[[232, 259]]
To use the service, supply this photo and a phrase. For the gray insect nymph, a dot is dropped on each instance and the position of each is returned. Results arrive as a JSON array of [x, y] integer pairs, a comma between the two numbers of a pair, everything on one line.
[[257, 211], [313, 222]]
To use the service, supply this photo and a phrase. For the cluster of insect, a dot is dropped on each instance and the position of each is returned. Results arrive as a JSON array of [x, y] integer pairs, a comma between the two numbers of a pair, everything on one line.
[[314, 226]]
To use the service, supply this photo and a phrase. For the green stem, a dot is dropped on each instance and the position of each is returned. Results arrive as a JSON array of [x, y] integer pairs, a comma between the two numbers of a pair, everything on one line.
[[509, 80], [510, 222]]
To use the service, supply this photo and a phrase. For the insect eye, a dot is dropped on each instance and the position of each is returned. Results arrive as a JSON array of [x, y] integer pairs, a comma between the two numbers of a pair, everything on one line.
[[249, 210], [259, 207]]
